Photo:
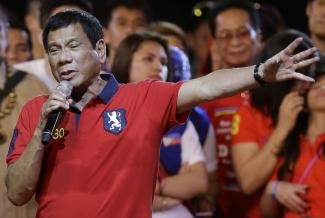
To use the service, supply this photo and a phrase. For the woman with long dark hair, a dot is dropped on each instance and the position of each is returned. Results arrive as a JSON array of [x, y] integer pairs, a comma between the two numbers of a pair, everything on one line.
[[260, 127], [298, 186]]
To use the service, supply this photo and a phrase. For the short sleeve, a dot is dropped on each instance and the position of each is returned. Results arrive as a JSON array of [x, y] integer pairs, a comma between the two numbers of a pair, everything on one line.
[[243, 128], [24, 129], [161, 103]]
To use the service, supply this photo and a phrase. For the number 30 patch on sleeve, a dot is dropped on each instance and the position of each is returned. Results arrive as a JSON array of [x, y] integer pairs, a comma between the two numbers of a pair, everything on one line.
[[58, 133]]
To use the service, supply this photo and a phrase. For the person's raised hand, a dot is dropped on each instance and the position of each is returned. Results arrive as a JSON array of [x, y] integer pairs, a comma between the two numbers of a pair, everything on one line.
[[283, 65]]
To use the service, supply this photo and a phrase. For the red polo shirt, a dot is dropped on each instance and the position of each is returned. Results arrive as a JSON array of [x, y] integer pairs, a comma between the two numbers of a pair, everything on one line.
[[103, 162]]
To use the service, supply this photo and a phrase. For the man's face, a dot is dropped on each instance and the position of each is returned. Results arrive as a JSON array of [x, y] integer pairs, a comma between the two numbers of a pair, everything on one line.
[[123, 22], [238, 42], [72, 56], [316, 14], [18, 49]]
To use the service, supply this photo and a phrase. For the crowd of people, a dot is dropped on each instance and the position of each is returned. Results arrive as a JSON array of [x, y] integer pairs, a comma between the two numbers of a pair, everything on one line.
[[223, 118]]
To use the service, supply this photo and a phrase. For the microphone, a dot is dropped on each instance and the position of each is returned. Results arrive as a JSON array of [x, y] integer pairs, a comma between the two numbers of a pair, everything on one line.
[[55, 116]]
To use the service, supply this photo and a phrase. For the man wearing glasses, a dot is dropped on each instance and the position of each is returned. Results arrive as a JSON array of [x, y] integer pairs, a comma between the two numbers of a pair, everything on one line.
[[236, 29]]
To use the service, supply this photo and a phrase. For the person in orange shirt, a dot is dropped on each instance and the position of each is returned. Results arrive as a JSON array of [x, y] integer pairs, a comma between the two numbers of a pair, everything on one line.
[[298, 186], [260, 127]]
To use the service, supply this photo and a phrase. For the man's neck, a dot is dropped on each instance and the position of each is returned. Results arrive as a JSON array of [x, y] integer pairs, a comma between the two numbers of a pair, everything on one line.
[[82, 97]]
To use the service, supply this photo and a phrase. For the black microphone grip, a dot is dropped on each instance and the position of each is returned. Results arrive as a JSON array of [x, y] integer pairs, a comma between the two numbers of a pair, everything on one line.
[[54, 118]]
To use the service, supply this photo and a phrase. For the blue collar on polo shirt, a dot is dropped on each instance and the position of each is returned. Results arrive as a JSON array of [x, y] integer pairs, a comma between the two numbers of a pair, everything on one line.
[[110, 88]]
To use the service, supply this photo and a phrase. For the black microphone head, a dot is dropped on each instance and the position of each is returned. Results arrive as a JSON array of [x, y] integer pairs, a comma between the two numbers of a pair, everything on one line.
[[65, 87]]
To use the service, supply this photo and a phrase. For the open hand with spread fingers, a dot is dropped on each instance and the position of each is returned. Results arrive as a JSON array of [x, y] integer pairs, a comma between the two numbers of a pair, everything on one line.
[[283, 65]]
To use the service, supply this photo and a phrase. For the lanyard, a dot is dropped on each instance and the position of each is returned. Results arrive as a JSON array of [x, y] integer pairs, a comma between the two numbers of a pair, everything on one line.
[[309, 166]]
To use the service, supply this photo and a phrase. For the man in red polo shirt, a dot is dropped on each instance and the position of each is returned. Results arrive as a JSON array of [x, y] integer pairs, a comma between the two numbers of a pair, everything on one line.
[[103, 157]]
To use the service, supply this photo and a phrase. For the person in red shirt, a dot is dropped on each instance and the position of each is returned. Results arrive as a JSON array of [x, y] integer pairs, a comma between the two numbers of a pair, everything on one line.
[[298, 187], [102, 158], [259, 128], [237, 40]]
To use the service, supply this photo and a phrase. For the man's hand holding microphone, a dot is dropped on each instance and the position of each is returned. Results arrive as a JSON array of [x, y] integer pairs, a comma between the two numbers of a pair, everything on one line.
[[54, 108]]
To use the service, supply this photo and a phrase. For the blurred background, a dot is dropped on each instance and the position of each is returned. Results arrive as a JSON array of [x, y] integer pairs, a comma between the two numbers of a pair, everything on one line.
[[178, 11]]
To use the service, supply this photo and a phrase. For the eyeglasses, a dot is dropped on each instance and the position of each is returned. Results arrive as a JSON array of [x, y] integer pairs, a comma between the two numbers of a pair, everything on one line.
[[227, 36]]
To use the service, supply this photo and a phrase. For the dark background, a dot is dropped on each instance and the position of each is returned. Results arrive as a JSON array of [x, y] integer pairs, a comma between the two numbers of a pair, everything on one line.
[[174, 10], [178, 11]]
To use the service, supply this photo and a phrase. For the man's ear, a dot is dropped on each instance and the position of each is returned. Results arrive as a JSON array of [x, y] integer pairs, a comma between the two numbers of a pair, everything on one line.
[[101, 50]]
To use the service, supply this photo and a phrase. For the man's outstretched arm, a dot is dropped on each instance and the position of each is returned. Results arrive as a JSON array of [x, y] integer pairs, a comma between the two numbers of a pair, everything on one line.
[[222, 83]]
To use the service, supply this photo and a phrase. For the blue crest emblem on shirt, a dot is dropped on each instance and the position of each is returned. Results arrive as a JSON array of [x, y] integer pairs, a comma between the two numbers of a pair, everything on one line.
[[114, 120]]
